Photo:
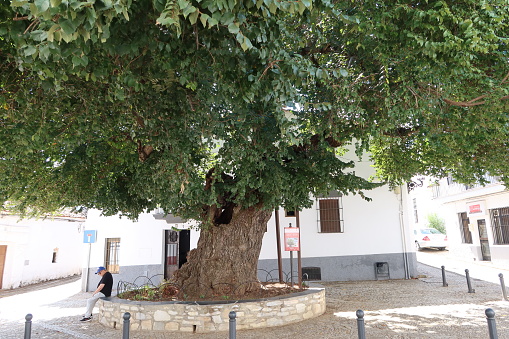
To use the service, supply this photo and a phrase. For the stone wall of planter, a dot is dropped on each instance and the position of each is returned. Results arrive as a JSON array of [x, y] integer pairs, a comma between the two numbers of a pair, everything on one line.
[[212, 316]]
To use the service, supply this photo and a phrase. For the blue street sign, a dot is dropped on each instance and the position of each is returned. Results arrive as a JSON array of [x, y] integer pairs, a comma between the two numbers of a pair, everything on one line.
[[89, 236]]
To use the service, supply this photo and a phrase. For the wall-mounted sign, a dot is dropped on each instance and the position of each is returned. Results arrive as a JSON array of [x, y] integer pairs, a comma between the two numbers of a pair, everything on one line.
[[476, 208], [89, 236], [292, 239]]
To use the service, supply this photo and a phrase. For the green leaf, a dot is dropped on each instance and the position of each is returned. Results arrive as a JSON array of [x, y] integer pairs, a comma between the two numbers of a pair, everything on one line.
[[233, 28], [227, 18], [39, 35], [188, 10], [183, 4], [193, 17], [124, 12], [29, 50], [307, 3], [203, 18], [18, 3], [44, 52], [240, 38], [246, 44], [67, 26], [66, 37], [272, 7], [302, 7], [42, 5], [212, 22], [51, 32], [76, 61]]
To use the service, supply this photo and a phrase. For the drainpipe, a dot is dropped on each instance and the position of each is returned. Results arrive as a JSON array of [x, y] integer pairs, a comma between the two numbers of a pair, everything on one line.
[[398, 191]]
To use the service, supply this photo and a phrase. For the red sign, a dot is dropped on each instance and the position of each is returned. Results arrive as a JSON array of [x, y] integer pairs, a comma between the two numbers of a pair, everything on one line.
[[292, 239], [474, 209]]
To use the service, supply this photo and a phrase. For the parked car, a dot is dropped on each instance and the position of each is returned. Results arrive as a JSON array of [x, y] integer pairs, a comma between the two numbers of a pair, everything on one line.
[[430, 238]]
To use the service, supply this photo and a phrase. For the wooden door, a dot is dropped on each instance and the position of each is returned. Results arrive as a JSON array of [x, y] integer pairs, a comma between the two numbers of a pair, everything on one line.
[[3, 252], [483, 237]]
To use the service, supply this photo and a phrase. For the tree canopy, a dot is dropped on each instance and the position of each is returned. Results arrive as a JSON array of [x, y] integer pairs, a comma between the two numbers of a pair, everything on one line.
[[200, 106]]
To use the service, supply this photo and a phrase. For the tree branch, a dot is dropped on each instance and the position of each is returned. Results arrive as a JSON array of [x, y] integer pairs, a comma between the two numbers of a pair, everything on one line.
[[144, 151], [402, 132], [272, 64], [505, 78], [465, 103]]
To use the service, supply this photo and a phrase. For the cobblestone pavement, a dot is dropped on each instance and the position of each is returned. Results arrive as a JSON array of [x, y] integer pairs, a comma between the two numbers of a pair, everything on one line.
[[416, 308]]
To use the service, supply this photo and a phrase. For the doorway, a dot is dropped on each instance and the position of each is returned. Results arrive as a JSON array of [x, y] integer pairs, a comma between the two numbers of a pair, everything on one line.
[[176, 244], [483, 237], [3, 253]]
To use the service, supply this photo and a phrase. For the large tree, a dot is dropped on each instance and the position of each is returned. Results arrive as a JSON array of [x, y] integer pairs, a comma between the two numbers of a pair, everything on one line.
[[221, 111]]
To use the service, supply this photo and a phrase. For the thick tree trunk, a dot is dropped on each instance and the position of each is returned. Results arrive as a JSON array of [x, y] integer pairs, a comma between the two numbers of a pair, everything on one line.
[[226, 258]]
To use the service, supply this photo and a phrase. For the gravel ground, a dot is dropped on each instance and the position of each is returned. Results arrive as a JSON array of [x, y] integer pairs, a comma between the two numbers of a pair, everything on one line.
[[417, 308]]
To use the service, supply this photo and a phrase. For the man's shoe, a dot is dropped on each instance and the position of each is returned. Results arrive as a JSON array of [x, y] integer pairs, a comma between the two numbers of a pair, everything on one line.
[[86, 319]]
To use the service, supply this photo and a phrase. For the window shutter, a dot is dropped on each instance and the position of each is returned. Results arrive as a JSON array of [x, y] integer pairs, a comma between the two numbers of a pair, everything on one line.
[[329, 216]]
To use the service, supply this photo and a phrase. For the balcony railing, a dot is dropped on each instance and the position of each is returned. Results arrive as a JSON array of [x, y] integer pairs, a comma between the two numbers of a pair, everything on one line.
[[445, 189]]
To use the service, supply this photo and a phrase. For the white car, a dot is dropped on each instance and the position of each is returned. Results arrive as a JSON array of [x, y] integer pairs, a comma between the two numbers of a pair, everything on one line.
[[430, 238]]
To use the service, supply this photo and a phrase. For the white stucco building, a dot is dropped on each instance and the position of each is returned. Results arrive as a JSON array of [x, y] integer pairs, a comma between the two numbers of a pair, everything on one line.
[[368, 232], [154, 246], [33, 250], [476, 217]]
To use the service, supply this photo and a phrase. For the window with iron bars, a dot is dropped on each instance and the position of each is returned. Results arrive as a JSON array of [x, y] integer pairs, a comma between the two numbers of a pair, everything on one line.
[[466, 235], [330, 212], [500, 225], [112, 249]]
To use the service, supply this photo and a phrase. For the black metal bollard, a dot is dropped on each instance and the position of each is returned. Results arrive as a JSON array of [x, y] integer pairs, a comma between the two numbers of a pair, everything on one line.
[[469, 284], [444, 282], [492, 326], [361, 330], [28, 326], [126, 326], [504, 291], [233, 325]]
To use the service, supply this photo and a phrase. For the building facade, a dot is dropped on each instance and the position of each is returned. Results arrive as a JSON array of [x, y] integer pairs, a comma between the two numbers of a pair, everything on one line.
[[476, 216], [32, 250]]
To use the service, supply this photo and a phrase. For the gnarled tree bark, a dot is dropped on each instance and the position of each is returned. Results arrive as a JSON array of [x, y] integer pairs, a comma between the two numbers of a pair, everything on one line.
[[226, 256]]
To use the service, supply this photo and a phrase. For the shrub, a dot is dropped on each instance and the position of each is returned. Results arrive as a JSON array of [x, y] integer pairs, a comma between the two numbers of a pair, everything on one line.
[[434, 221]]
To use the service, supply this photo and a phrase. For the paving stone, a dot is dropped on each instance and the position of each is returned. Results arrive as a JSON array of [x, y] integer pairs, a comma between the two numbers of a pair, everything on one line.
[[415, 308]]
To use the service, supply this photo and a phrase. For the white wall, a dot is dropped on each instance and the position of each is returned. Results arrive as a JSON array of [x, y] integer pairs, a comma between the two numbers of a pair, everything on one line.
[[141, 241], [452, 200], [370, 227], [425, 203], [30, 246], [492, 197]]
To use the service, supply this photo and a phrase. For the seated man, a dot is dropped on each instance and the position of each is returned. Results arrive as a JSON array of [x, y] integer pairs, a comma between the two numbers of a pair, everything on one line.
[[103, 290]]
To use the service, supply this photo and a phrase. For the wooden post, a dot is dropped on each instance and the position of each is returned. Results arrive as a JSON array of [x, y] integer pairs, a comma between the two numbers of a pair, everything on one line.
[[299, 256], [278, 242]]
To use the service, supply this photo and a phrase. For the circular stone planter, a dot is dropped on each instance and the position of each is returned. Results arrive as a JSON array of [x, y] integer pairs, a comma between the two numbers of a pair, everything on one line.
[[212, 316]]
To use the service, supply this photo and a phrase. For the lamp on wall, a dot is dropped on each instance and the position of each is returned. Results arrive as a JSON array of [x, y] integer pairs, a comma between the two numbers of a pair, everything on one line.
[[417, 182]]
